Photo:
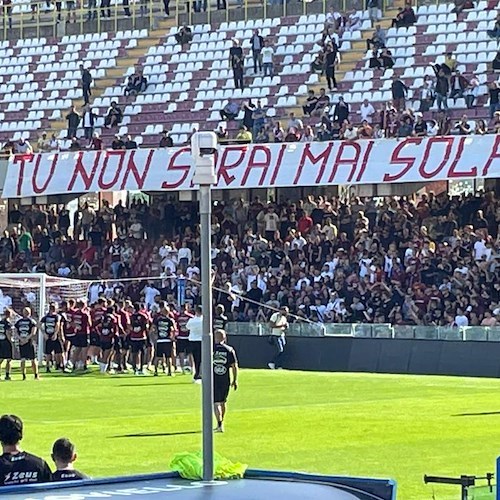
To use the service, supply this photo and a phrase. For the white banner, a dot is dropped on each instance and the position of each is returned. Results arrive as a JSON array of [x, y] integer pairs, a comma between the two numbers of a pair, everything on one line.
[[413, 159]]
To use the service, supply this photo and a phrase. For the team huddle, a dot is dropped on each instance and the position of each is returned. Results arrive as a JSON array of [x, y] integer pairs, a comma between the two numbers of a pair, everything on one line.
[[116, 335]]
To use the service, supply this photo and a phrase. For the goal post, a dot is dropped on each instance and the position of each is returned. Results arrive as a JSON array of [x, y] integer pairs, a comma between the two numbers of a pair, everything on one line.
[[37, 291]]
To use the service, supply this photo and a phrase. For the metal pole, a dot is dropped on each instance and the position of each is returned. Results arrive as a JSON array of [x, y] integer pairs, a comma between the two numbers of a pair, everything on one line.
[[41, 313], [206, 346]]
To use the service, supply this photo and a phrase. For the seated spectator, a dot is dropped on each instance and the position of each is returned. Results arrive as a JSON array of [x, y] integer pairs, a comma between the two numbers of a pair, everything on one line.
[[293, 135], [64, 456], [14, 463], [481, 128], [449, 65], [311, 102], [308, 135], [495, 32], [114, 116], [419, 127], [54, 144], [244, 135], [184, 35], [405, 17], [43, 144], [222, 133], [294, 122], [427, 95], [496, 123], [432, 128], [367, 111], [458, 84], [350, 132], [472, 91], [96, 142], [318, 65], [323, 133], [381, 61], [406, 127], [365, 130], [332, 19], [166, 141], [378, 38], [278, 132], [353, 21], [22, 147], [230, 111], [118, 143], [129, 143], [494, 95], [378, 133], [136, 83], [341, 111], [262, 136], [75, 144], [495, 64], [444, 123]]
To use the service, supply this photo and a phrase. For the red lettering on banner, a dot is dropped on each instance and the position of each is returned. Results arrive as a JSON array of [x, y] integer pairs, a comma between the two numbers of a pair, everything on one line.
[[264, 164], [110, 154], [451, 172], [19, 159], [185, 167], [364, 163], [396, 159], [346, 161], [132, 169], [79, 170], [435, 140], [40, 190], [308, 156], [495, 153], [224, 167], [277, 166]]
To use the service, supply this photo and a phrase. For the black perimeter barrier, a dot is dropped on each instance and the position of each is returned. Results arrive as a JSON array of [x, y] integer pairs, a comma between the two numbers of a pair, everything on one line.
[[351, 354]]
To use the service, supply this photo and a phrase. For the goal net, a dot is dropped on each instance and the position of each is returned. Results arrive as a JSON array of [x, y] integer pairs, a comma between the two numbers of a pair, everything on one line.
[[37, 291]]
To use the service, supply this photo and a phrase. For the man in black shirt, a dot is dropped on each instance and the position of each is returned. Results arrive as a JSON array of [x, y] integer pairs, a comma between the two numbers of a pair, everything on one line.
[[237, 59], [64, 455], [26, 329], [163, 333], [224, 361], [220, 319], [17, 466], [6, 342], [51, 327]]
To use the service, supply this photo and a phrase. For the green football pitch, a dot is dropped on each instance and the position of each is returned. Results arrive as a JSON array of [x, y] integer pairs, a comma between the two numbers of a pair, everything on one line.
[[390, 426]]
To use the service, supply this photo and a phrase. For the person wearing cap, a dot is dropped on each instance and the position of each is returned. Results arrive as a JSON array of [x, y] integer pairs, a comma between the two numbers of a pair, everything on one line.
[[17, 466], [279, 325], [224, 362]]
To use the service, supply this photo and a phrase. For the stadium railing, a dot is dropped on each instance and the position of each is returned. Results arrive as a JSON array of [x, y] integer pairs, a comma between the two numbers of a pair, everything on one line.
[[379, 330]]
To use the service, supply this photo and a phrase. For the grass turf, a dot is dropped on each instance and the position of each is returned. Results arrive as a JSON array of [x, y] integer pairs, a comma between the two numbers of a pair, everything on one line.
[[393, 426]]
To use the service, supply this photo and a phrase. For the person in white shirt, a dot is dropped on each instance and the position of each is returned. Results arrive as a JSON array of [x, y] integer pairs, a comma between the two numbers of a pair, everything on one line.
[[279, 325], [195, 327], [184, 256], [192, 270], [366, 110], [150, 292], [267, 54], [351, 133], [461, 319], [480, 249], [271, 221]]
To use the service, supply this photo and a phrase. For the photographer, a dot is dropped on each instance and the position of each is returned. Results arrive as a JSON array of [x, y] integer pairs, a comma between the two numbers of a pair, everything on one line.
[[279, 325]]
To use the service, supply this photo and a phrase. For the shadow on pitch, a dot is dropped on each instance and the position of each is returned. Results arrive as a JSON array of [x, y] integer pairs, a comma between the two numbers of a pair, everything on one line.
[[479, 414], [155, 434]]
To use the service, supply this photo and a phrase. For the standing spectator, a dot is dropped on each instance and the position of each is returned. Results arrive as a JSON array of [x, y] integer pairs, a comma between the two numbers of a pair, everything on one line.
[[443, 123], [378, 38], [7, 13], [341, 111], [88, 216], [366, 110], [399, 91], [458, 84], [106, 8], [442, 89], [248, 108], [373, 10], [493, 92], [73, 118], [449, 65], [420, 127], [463, 126], [26, 245], [331, 60], [258, 117], [495, 64], [472, 91], [86, 79], [267, 55], [88, 122], [237, 61], [427, 95], [257, 44]]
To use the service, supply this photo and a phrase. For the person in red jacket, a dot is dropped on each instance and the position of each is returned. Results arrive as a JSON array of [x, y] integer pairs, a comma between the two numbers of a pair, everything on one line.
[[304, 224]]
